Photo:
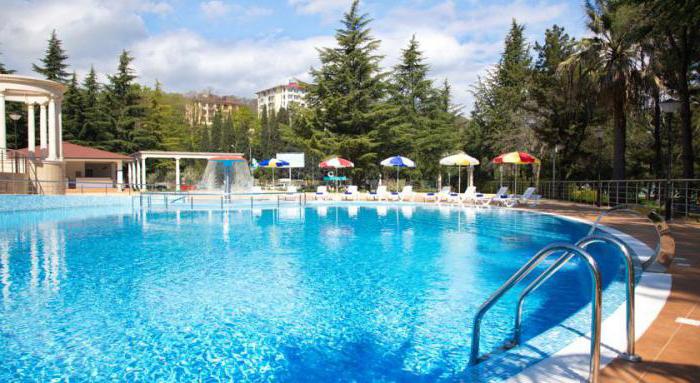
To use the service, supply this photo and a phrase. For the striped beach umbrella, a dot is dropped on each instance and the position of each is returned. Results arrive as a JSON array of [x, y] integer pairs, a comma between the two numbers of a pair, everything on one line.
[[273, 163], [336, 163], [398, 162], [515, 158]]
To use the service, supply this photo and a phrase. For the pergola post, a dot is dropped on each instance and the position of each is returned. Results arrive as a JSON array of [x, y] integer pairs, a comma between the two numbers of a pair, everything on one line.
[[59, 123], [42, 127], [137, 173], [130, 174], [3, 128], [31, 129], [143, 174], [120, 175], [177, 173]]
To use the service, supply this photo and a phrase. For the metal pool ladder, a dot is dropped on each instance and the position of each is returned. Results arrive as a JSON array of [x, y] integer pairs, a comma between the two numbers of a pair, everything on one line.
[[570, 251]]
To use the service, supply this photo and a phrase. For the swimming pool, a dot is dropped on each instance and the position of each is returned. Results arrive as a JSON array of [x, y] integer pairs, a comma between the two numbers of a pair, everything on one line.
[[314, 293]]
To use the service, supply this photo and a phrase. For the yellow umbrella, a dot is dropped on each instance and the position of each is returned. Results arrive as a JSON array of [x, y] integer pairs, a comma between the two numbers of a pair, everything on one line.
[[461, 159], [515, 158]]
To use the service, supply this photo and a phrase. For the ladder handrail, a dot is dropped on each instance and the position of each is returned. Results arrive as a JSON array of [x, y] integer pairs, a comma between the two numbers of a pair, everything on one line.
[[659, 223], [629, 290], [596, 293]]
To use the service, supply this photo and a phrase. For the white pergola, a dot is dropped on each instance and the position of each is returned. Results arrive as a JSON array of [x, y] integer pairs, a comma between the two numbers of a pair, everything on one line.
[[137, 168], [33, 92]]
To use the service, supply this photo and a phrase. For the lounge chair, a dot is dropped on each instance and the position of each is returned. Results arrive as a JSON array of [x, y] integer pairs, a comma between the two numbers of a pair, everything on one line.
[[470, 196], [322, 193], [351, 193], [529, 197], [291, 191], [405, 194], [500, 197], [379, 194], [437, 197]]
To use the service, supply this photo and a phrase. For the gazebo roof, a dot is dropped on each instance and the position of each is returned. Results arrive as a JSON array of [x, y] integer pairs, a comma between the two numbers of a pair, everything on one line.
[[78, 152]]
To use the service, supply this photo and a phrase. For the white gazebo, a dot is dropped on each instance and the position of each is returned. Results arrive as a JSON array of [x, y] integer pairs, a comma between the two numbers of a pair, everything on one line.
[[47, 96]]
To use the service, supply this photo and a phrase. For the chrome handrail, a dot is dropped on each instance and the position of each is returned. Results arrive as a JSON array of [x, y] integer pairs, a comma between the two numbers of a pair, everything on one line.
[[659, 223], [596, 293], [629, 291]]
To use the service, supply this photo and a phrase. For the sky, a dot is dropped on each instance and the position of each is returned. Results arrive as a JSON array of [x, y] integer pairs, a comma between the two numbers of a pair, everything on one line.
[[240, 47]]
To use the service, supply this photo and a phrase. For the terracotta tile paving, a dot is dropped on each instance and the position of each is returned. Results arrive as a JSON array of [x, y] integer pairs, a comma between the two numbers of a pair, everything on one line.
[[671, 350]]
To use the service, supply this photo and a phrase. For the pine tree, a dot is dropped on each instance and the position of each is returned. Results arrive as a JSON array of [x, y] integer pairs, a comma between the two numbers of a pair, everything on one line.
[[148, 134], [347, 88], [73, 112], [94, 130], [54, 66], [123, 103], [204, 141]]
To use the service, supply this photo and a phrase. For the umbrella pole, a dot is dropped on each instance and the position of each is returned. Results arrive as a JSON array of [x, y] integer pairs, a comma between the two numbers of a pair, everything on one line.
[[397, 179]]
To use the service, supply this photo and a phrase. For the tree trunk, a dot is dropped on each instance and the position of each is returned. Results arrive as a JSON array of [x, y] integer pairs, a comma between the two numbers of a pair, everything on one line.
[[688, 157], [656, 120], [620, 131]]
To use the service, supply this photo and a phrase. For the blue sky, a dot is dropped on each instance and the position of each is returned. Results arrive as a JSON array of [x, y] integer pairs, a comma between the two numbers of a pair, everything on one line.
[[238, 47]]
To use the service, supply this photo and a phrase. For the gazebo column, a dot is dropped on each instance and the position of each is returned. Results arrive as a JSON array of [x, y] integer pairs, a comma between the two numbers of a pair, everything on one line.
[[42, 127], [52, 131], [177, 173], [143, 173], [31, 129], [59, 124], [129, 173], [120, 175], [3, 128]]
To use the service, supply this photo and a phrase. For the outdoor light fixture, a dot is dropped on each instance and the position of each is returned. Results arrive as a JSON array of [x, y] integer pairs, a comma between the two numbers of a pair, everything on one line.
[[669, 106], [15, 117], [557, 149], [599, 134]]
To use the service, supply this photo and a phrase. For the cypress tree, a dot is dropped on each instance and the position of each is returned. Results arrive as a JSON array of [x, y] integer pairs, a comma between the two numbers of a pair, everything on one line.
[[217, 132], [73, 113], [54, 66], [149, 133], [123, 103], [94, 130]]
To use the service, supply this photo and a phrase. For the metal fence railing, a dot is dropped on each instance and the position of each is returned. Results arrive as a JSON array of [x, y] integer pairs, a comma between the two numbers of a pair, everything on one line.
[[684, 193], [13, 162]]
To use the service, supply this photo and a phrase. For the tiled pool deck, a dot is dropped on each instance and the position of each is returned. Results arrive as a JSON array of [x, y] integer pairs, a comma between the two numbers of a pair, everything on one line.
[[670, 350]]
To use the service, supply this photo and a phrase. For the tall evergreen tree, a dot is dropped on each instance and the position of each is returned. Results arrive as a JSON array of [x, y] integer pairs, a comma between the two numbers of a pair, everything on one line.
[[95, 128], [124, 106], [499, 108], [149, 133], [347, 88], [216, 130], [73, 112], [54, 62]]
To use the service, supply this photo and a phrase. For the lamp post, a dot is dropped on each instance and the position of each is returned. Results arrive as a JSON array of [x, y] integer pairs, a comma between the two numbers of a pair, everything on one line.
[[15, 117], [669, 106], [557, 148], [599, 133]]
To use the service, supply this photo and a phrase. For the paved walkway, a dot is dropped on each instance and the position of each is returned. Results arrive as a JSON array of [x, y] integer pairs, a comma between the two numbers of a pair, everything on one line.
[[670, 348]]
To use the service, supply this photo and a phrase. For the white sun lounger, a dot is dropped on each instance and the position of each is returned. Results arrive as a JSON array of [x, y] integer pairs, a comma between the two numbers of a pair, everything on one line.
[[500, 197], [405, 194], [379, 194], [322, 193], [437, 197], [351, 193]]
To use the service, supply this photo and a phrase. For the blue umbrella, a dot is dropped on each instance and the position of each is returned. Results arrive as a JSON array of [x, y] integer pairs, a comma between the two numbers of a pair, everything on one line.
[[398, 162], [273, 163]]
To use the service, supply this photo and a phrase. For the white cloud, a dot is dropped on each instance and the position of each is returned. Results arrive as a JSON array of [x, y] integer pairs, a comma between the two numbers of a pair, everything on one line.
[[326, 8], [214, 8], [185, 61]]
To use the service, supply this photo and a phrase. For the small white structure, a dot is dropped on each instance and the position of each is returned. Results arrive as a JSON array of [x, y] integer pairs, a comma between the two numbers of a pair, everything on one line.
[[46, 96], [137, 168]]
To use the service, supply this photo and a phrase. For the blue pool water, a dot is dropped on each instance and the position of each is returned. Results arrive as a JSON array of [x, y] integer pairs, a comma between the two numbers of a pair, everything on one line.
[[321, 293]]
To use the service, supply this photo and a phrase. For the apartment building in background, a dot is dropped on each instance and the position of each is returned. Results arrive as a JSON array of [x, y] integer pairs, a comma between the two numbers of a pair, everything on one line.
[[280, 96], [204, 106]]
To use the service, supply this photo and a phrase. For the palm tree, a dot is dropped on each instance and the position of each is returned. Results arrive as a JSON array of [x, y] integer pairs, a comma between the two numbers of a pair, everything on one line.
[[610, 57]]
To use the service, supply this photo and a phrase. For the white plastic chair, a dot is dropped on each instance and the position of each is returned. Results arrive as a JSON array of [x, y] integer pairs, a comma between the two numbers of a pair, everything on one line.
[[322, 192], [406, 193], [351, 193], [380, 194]]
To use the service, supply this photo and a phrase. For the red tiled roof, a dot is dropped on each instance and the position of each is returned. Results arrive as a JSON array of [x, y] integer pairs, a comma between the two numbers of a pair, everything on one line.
[[75, 151]]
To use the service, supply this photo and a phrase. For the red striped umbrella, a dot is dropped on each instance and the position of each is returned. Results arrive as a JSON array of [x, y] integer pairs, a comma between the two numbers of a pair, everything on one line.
[[518, 158], [336, 163]]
